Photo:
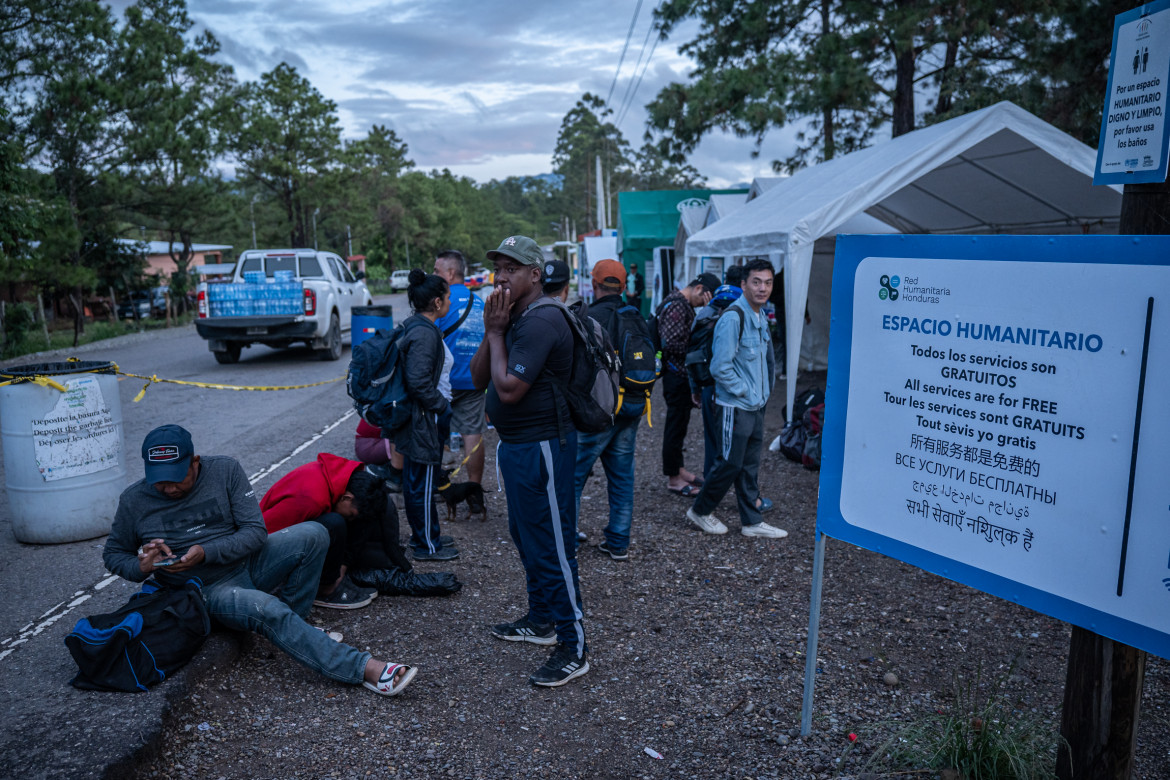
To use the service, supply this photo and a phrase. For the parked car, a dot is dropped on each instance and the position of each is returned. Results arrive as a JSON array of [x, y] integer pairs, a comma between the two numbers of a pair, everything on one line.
[[139, 301], [400, 280], [158, 301]]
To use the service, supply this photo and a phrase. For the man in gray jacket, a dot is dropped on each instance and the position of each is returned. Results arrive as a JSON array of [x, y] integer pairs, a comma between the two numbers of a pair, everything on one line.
[[199, 517], [742, 367]]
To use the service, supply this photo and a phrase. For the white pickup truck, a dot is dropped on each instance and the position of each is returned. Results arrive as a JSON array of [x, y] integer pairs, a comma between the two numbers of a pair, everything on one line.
[[279, 297]]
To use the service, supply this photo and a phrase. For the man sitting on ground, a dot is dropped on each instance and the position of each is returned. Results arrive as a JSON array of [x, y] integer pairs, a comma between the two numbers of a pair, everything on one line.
[[201, 516], [351, 504]]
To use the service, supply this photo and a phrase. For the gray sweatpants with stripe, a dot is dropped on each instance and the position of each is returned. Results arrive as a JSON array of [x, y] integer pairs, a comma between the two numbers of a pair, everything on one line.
[[739, 438]]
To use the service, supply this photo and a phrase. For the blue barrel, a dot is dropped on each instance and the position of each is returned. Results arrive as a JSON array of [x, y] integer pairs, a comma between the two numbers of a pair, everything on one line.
[[64, 466], [367, 320]]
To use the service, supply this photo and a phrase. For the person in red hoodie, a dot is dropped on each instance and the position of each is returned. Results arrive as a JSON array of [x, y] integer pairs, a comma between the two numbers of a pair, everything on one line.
[[351, 504]]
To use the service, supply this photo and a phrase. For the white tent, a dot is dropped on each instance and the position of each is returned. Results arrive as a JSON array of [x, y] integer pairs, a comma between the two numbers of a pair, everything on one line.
[[723, 205], [996, 170]]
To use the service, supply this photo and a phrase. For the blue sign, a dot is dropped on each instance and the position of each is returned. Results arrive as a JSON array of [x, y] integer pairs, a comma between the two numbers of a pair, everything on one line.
[[1134, 131], [1007, 428]]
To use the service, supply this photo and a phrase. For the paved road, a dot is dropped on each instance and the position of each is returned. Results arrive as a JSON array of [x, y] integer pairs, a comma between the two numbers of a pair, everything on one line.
[[50, 728]]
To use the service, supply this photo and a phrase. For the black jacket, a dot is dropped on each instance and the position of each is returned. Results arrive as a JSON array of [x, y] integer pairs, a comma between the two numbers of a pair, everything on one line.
[[422, 349], [604, 310]]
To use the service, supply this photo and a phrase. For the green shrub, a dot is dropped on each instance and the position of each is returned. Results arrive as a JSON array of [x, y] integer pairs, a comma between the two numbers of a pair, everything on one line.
[[981, 736]]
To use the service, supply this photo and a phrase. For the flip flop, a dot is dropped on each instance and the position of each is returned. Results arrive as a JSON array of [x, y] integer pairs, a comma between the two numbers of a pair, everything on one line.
[[386, 685], [686, 491], [765, 505], [698, 481]]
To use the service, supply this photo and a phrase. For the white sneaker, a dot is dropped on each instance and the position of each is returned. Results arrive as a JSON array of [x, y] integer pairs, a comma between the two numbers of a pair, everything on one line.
[[707, 523], [763, 530]]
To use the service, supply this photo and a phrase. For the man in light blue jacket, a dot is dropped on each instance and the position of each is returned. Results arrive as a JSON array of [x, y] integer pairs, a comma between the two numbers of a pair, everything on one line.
[[742, 367]]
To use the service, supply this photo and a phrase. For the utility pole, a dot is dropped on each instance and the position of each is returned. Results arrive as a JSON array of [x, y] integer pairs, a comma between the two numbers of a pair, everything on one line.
[[252, 208], [601, 223], [1103, 685], [349, 241], [316, 211]]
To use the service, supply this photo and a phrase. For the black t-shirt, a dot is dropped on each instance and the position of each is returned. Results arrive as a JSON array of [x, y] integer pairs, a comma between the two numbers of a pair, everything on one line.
[[540, 351]]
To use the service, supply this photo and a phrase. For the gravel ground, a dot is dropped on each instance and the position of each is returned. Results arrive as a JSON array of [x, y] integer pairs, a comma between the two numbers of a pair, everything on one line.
[[697, 653]]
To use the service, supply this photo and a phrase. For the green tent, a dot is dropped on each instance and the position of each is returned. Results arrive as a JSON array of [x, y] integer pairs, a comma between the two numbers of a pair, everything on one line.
[[650, 219]]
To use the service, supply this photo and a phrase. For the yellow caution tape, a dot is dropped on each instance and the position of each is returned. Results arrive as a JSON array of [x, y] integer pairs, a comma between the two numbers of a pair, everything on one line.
[[150, 380], [478, 444], [45, 381]]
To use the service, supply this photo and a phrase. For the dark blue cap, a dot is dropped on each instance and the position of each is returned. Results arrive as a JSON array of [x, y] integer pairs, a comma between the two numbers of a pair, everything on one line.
[[167, 452]]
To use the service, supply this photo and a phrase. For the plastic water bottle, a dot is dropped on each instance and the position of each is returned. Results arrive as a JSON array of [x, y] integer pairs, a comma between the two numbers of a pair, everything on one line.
[[456, 444]]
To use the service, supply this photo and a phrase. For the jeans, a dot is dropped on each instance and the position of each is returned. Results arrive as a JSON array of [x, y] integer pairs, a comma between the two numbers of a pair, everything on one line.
[[290, 559], [615, 447]]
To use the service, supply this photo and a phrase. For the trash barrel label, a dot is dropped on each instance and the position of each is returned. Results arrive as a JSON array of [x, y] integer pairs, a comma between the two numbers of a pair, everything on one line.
[[78, 435]]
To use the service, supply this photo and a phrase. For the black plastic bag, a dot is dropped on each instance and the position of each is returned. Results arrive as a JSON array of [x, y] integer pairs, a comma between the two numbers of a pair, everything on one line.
[[395, 582], [792, 439]]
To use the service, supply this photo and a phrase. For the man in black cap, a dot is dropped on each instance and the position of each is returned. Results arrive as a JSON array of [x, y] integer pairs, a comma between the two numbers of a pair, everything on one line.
[[198, 517], [523, 363], [675, 315]]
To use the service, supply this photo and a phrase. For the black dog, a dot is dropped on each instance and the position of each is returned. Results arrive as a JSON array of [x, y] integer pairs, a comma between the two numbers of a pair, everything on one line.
[[455, 493]]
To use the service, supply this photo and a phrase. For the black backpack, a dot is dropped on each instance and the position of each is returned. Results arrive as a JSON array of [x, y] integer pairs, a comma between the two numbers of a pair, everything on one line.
[[376, 381], [700, 345], [638, 356], [153, 635], [591, 394]]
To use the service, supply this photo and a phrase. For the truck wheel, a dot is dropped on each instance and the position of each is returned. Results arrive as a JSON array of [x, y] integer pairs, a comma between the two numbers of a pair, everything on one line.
[[333, 349], [229, 356]]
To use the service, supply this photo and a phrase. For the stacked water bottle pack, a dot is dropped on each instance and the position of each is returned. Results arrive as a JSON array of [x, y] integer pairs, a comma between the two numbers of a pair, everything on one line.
[[257, 297]]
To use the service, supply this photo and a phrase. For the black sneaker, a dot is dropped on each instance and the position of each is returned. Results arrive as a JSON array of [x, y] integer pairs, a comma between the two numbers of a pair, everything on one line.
[[444, 553], [390, 476], [617, 555], [582, 536], [524, 630], [563, 665], [346, 596]]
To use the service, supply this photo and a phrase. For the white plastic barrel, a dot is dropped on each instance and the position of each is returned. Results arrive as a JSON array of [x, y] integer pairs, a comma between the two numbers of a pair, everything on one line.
[[64, 467]]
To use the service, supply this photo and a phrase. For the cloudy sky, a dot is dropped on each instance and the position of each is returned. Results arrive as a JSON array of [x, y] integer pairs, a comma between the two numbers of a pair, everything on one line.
[[478, 86]]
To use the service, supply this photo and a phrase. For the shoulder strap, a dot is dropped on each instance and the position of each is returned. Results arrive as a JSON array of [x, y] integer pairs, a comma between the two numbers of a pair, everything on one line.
[[463, 317]]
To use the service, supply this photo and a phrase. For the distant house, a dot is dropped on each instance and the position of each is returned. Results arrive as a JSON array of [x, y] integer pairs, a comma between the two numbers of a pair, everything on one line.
[[160, 263]]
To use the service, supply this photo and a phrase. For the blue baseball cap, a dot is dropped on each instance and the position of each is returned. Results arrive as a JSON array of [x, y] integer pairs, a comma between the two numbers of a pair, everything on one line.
[[167, 452]]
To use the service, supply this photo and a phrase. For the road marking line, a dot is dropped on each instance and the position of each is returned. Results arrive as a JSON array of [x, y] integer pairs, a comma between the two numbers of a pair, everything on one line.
[[259, 475]]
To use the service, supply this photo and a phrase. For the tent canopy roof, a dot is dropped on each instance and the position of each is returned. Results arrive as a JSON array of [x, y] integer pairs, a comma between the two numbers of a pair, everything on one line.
[[996, 170]]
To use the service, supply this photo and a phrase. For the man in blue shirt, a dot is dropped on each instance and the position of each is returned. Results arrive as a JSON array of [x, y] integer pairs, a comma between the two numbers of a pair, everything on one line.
[[743, 366], [462, 329]]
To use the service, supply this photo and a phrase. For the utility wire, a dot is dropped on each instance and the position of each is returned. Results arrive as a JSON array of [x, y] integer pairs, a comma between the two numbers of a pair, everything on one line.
[[638, 83], [641, 52], [621, 59]]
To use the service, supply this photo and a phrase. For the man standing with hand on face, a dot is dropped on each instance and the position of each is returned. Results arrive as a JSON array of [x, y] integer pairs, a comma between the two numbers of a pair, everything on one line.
[[201, 515], [524, 363]]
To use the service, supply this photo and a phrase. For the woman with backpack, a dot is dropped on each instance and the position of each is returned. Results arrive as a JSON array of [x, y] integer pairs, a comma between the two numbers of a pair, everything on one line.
[[426, 360]]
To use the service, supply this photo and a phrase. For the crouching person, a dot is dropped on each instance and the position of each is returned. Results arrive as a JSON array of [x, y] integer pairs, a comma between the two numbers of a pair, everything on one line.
[[351, 504], [198, 517]]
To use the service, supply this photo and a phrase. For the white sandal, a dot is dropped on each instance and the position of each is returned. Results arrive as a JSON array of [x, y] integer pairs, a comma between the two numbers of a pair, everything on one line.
[[386, 685]]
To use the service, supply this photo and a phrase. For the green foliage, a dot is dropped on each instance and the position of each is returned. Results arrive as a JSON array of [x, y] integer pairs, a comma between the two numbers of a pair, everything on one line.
[[848, 67], [983, 735], [19, 320], [286, 141], [177, 102], [585, 135]]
